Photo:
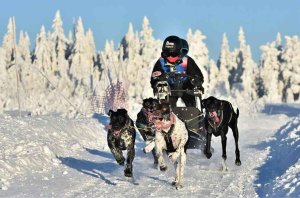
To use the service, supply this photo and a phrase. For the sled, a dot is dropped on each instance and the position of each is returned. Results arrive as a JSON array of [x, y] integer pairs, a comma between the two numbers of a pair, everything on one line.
[[194, 122], [193, 117]]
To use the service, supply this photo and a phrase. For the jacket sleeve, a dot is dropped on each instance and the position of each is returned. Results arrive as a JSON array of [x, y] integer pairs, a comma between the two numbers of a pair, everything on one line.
[[193, 69], [157, 67]]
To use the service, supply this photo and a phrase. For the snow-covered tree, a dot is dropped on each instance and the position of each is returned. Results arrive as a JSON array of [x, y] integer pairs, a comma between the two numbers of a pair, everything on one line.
[[291, 69], [3, 80], [214, 79], [270, 71], [225, 64], [42, 53], [8, 44], [250, 75], [24, 48], [243, 77], [81, 67], [59, 45], [150, 52], [199, 52], [132, 59]]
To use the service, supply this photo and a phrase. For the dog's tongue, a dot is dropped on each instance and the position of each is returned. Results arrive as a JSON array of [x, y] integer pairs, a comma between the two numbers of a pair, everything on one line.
[[214, 116], [150, 117]]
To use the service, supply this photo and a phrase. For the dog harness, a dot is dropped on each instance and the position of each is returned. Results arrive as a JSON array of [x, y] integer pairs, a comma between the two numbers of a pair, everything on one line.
[[117, 133], [215, 118], [161, 125]]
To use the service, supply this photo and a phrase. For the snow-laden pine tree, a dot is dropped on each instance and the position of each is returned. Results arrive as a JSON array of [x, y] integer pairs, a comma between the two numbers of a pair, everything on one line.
[[133, 61], [270, 71], [12, 68], [150, 52], [59, 42], [81, 66], [42, 53], [3, 80], [213, 78], [199, 52], [250, 75], [225, 64], [26, 71], [92, 56], [24, 48], [8, 44], [291, 69], [244, 77], [111, 61]]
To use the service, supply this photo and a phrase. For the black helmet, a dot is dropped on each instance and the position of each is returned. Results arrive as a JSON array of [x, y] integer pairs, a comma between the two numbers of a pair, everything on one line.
[[185, 47], [172, 46]]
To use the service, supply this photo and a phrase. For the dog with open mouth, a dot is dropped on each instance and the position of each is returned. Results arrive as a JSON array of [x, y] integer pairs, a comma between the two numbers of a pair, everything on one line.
[[220, 116], [171, 136], [121, 136]]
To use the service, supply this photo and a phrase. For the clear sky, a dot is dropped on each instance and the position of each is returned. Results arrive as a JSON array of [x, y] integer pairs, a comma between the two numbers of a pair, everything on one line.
[[109, 19]]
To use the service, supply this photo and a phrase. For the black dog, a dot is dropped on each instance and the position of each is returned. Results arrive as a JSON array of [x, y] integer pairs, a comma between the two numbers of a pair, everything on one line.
[[144, 122], [219, 116], [121, 136]]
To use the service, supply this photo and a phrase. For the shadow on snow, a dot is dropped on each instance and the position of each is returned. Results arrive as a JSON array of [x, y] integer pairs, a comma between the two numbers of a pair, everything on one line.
[[93, 169], [287, 109]]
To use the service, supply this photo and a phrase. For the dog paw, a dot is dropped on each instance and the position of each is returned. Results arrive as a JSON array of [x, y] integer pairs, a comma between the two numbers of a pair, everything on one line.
[[238, 162], [207, 154], [127, 172], [163, 168], [178, 186]]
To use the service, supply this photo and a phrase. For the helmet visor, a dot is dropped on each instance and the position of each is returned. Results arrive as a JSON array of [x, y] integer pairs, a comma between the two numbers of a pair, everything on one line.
[[171, 54]]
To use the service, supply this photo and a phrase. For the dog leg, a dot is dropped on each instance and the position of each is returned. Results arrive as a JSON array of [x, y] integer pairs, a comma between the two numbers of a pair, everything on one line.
[[224, 165], [207, 149], [159, 146], [150, 146], [117, 153], [130, 157], [174, 183], [155, 157], [235, 131], [181, 167], [224, 142]]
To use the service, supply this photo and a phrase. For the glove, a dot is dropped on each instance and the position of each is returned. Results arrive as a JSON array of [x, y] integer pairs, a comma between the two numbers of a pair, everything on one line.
[[201, 89], [196, 82]]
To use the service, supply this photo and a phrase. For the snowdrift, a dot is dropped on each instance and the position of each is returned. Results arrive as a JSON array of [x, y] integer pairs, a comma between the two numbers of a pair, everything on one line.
[[279, 176], [34, 144]]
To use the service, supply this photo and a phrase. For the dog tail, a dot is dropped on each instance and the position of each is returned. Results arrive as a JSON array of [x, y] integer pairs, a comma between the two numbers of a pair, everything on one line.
[[237, 112]]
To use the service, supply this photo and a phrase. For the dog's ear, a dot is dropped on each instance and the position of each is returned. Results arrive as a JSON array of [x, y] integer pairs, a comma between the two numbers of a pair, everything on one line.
[[109, 113]]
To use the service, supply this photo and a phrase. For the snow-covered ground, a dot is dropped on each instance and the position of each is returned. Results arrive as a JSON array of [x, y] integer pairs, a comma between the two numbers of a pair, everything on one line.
[[51, 156]]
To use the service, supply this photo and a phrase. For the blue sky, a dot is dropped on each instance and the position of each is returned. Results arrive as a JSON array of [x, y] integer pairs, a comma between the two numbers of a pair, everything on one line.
[[109, 19]]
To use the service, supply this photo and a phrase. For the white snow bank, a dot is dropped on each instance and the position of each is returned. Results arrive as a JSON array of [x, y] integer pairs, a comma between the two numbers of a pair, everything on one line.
[[32, 144], [280, 175]]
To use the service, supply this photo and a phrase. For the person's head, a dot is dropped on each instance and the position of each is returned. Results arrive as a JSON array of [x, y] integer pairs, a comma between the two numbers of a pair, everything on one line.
[[185, 47], [171, 49]]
